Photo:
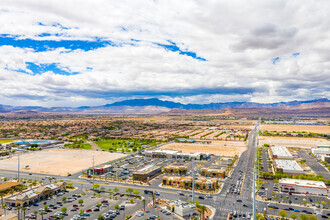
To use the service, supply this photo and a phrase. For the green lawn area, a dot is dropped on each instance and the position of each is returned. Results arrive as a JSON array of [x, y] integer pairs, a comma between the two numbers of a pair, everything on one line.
[[78, 146], [110, 144], [3, 141]]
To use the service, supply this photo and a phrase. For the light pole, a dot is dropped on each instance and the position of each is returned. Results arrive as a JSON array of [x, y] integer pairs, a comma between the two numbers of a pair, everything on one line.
[[93, 172], [18, 166], [193, 181]]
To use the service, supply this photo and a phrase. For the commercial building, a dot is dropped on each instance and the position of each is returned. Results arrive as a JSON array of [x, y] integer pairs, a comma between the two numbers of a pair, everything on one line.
[[146, 173], [34, 195], [280, 153], [179, 170], [288, 167], [100, 170], [303, 186], [176, 154], [212, 172], [325, 158], [319, 152], [183, 209], [201, 183], [9, 185]]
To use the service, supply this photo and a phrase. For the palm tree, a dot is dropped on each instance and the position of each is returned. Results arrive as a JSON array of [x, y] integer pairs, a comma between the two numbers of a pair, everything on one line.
[[153, 199], [202, 211], [36, 214], [18, 211], [144, 203], [3, 206], [24, 210], [42, 214], [2, 194]]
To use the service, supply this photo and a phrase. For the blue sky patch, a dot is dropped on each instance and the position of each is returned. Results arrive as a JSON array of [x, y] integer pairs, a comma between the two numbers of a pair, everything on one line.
[[38, 69], [173, 47], [275, 60], [46, 45]]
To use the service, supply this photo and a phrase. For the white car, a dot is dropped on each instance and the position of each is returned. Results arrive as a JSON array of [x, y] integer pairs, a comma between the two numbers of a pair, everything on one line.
[[139, 214]]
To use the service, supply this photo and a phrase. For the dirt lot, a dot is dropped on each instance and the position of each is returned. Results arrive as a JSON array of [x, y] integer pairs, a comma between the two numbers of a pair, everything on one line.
[[293, 141], [59, 161], [228, 149], [308, 128]]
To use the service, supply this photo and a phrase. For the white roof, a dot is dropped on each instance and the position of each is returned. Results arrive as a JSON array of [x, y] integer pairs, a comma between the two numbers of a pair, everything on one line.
[[304, 183], [281, 151], [288, 165]]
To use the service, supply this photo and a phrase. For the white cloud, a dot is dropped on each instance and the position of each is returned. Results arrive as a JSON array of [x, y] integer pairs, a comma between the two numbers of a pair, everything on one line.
[[238, 39]]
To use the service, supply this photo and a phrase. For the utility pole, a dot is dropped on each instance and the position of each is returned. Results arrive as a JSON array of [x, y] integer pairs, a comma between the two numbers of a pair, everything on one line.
[[193, 181], [18, 165], [93, 172]]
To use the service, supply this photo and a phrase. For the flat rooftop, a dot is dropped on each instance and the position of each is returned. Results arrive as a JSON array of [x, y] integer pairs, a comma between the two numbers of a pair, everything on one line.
[[304, 183], [281, 151], [288, 165]]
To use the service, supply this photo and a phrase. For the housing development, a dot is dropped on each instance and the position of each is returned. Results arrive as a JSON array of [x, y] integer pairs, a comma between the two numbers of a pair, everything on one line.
[[214, 168]]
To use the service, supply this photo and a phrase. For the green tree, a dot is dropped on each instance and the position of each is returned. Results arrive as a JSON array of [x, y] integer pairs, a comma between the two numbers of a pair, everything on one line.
[[98, 204], [3, 206], [46, 207], [303, 217], [81, 201], [100, 217], [130, 191], [116, 190], [81, 212], [202, 211], [283, 214], [102, 189], [136, 192], [312, 218], [116, 206], [64, 199], [95, 186], [36, 214], [64, 209], [109, 190], [293, 216]]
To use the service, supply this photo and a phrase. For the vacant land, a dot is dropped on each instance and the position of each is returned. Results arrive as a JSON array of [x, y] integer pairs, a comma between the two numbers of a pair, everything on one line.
[[3, 141], [293, 141], [59, 161], [218, 149], [298, 128]]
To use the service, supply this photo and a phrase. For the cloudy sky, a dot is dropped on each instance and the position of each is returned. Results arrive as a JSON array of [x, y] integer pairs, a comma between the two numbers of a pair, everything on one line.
[[73, 52]]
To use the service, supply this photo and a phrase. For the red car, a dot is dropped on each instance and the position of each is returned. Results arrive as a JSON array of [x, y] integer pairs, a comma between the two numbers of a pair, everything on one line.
[[88, 210], [32, 217], [104, 201]]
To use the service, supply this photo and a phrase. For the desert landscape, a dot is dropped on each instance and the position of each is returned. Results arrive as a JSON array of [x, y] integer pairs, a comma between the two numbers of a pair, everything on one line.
[[293, 141], [58, 161], [217, 148], [307, 128]]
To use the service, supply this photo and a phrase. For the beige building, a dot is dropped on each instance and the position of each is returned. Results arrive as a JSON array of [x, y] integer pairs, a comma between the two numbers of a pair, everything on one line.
[[34, 195]]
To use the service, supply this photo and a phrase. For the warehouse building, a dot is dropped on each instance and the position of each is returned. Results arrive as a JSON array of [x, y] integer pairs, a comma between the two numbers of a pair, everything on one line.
[[288, 167], [280, 153], [303, 186], [319, 152], [175, 154]]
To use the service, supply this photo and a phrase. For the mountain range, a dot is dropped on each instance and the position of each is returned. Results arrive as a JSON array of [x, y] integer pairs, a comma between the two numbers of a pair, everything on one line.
[[155, 105]]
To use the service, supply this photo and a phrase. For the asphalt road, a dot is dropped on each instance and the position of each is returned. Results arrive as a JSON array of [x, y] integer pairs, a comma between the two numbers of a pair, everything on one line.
[[224, 202]]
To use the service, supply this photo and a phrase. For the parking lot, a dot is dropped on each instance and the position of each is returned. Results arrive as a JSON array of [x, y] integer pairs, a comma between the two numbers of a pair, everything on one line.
[[271, 192], [314, 165], [92, 206]]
